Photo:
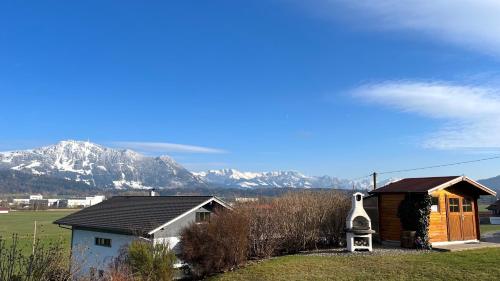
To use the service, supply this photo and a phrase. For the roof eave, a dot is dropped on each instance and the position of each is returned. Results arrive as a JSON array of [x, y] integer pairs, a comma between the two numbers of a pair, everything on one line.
[[486, 190], [222, 203]]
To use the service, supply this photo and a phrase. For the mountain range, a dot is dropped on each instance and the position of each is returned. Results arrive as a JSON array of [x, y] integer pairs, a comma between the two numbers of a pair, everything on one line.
[[82, 165], [99, 166], [109, 168], [278, 179]]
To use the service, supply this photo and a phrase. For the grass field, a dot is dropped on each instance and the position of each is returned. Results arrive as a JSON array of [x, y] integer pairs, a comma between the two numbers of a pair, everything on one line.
[[482, 208], [468, 265], [22, 224], [489, 227]]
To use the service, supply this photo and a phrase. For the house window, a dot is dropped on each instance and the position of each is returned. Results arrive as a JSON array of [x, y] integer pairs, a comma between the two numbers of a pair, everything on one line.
[[202, 216], [467, 205], [435, 204], [105, 242], [454, 205]]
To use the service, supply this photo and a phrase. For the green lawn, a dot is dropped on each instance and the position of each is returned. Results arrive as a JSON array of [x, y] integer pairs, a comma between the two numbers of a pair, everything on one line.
[[22, 224], [489, 227], [482, 207], [467, 265]]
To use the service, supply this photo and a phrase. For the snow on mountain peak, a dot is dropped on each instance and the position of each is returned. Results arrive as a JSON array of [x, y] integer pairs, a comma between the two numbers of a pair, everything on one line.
[[278, 179], [104, 167], [100, 166]]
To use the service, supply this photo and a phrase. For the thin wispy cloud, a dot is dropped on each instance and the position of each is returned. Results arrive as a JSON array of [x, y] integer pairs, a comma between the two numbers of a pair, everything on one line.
[[473, 24], [470, 113], [165, 147]]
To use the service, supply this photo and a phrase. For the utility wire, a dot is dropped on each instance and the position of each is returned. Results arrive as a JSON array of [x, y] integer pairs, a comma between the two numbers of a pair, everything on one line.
[[428, 167], [439, 166]]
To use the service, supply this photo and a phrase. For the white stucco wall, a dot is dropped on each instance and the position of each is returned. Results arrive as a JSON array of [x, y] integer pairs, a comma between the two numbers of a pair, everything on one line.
[[85, 254], [170, 234]]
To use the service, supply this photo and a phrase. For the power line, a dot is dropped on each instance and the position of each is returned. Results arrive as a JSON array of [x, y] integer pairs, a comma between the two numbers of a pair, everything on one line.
[[439, 166], [428, 167]]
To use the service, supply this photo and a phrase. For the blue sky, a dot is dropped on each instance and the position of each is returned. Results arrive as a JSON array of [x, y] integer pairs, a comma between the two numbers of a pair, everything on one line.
[[321, 87]]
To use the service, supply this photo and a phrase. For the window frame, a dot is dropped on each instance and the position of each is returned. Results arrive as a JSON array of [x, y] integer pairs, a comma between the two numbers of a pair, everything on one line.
[[454, 208], [202, 217], [103, 242], [438, 206], [469, 205]]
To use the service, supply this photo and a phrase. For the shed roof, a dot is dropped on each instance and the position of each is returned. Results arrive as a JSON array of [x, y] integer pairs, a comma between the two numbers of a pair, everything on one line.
[[494, 206], [139, 215], [429, 184]]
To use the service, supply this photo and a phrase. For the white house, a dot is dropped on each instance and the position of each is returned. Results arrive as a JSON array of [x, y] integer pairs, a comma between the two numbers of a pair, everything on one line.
[[99, 232], [26, 201], [84, 202], [4, 210], [21, 201], [36, 197]]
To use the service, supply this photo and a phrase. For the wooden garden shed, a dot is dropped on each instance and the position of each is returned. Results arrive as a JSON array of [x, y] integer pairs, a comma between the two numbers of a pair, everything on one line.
[[454, 211]]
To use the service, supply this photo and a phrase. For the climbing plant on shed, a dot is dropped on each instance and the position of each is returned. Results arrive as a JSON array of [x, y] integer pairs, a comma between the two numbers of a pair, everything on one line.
[[414, 214]]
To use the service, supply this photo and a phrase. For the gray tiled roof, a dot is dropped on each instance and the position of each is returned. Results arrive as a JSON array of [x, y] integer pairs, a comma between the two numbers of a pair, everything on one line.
[[132, 214]]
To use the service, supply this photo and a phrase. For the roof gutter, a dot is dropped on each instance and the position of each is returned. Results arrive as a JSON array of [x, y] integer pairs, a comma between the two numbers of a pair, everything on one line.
[[63, 226]]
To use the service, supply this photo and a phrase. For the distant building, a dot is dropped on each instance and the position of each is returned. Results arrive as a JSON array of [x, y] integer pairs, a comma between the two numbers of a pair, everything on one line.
[[495, 212], [53, 203], [26, 201], [39, 204], [21, 201], [494, 208], [4, 210], [81, 202], [37, 201], [36, 197], [246, 199]]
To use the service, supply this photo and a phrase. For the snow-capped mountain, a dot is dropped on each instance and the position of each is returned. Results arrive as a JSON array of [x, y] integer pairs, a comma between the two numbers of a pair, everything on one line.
[[279, 179], [100, 166]]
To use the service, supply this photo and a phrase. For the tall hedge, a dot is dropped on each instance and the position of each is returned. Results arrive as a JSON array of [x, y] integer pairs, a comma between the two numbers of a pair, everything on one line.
[[414, 214]]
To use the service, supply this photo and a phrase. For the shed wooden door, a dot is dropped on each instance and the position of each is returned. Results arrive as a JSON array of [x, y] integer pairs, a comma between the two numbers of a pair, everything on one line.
[[454, 219], [461, 218], [468, 219]]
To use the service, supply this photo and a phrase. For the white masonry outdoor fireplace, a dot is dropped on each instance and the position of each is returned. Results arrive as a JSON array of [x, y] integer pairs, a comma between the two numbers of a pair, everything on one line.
[[358, 226]]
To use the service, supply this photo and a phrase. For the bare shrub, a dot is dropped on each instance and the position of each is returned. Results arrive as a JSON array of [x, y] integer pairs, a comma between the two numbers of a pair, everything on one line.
[[311, 219], [334, 209], [45, 263], [297, 221], [216, 246], [119, 269], [291, 223], [264, 234]]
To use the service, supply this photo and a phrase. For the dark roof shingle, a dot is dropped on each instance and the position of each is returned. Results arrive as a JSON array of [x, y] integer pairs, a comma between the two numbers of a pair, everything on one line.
[[133, 214], [414, 184], [494, 206]]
